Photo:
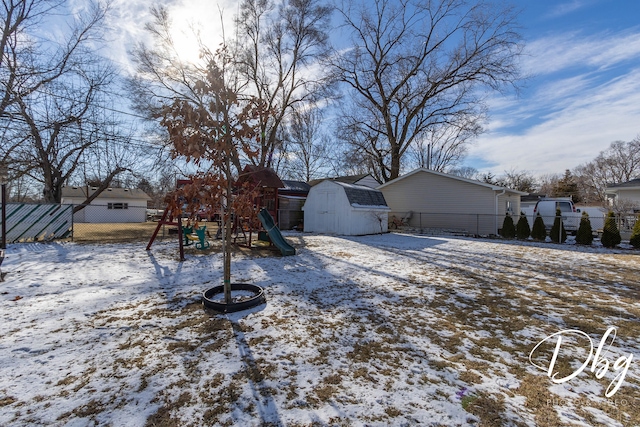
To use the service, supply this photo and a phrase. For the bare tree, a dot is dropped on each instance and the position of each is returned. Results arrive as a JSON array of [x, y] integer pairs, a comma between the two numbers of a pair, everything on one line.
[[518, 180], [27, 64], [307, 148], [548, 183], [468, 172], [619, 163], [54, 97], [279, 49], [443, 147], [417, 65]]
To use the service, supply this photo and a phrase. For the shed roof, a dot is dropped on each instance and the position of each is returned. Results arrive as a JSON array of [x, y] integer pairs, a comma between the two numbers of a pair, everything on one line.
[[260, 177], [349, 179], [109, 193], [360, 195]]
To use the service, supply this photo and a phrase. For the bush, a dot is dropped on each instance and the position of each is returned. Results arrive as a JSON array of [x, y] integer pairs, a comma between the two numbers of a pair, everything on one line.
[[558, 234], [635, 234], [508, 229], [610, 233], [538, 231], [522, 229], [585, 232]]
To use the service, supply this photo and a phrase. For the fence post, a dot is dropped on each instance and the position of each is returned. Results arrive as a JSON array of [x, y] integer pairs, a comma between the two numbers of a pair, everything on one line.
[[3, 244]]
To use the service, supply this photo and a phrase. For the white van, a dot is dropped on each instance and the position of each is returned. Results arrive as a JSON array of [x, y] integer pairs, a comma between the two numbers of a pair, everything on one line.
[[547, 208]]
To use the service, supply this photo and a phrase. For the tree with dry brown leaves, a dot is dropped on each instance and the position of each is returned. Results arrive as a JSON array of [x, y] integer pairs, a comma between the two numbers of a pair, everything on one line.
[[207, 131]]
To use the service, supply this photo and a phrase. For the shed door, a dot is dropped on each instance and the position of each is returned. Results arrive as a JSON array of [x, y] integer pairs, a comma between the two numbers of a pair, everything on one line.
[[326, 212]]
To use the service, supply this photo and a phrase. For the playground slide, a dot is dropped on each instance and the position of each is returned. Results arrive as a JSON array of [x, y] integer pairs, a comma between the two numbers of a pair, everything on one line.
[[274, 233]]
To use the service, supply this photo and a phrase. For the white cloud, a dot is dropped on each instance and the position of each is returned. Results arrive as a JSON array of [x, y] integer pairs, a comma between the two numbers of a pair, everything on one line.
[[568, 7], [582, 127], [128, 18], [558, 52]]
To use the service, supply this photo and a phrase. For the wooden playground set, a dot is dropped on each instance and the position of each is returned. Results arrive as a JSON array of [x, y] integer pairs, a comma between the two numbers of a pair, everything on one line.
[[192, 230]]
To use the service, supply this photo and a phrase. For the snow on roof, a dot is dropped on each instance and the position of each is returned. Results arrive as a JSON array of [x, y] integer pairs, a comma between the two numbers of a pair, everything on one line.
[[294, 187]]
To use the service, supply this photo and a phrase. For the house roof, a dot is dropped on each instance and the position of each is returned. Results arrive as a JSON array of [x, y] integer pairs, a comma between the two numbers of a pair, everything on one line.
[[349, 179], [629, 185], [362, 196], [260, 177], [294, 187], [532, 197], [458, 178], [109, 193]]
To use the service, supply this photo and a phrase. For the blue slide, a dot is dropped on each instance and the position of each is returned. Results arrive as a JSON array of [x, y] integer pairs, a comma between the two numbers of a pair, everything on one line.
[[274, 233]]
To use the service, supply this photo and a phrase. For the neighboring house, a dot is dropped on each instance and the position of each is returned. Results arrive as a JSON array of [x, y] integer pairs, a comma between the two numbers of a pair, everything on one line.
[[626, 194], [364, 179], [291, 199], [335, 207], [112, 205], [440, 201]]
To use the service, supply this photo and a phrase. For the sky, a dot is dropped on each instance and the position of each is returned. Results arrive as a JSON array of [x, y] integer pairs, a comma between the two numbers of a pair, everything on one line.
[[583, 58], [582, 92]]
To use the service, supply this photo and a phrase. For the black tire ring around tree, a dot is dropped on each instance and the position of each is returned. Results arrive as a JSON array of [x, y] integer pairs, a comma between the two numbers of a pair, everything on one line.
[[257, 299]]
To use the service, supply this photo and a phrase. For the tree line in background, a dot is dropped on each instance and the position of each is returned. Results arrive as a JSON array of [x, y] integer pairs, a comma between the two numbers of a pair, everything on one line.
[[585, 184], [406, 89]]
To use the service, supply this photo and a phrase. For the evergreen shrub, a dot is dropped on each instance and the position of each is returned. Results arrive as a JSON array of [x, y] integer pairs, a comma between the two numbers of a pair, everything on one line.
[[508, 228], [558, 234], [585, 232], [538, 232], [610, 233], [522, 228], [635, 234]]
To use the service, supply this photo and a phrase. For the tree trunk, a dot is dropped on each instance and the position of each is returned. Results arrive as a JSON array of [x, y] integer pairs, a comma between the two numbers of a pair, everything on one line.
[[226, 246]]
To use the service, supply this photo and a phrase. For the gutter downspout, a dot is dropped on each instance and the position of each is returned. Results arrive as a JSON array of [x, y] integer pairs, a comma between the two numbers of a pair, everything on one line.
[[496, 211]]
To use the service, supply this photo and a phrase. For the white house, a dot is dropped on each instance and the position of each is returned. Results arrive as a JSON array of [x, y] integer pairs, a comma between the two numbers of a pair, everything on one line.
[[625, 194], [438, 200], [339, 208], [112, 205]]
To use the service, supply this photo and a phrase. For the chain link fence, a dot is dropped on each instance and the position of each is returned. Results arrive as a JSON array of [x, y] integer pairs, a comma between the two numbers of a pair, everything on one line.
[[123, 222], [487, 225]]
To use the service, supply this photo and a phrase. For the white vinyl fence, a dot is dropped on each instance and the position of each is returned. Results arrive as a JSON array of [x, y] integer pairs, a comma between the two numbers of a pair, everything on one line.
[[38, 221]]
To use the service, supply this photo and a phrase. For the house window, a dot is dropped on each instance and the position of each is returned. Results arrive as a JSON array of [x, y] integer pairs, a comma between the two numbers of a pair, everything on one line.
[[117, 205], [509, 207]]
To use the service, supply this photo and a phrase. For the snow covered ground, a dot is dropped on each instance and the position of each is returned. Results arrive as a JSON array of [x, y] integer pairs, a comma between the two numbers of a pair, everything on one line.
[[374, 330]]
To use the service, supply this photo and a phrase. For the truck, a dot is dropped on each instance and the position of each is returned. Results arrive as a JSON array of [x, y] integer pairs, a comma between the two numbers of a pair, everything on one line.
[[547, 207]]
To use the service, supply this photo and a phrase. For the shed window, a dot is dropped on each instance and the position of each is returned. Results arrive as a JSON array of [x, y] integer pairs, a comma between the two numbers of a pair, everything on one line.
[[117, 205], [509, 207]]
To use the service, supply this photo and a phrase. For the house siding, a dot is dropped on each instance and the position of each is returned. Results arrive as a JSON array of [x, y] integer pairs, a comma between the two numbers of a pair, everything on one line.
[[425, 192], [98, 212], [447, 203], [628, 194]]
